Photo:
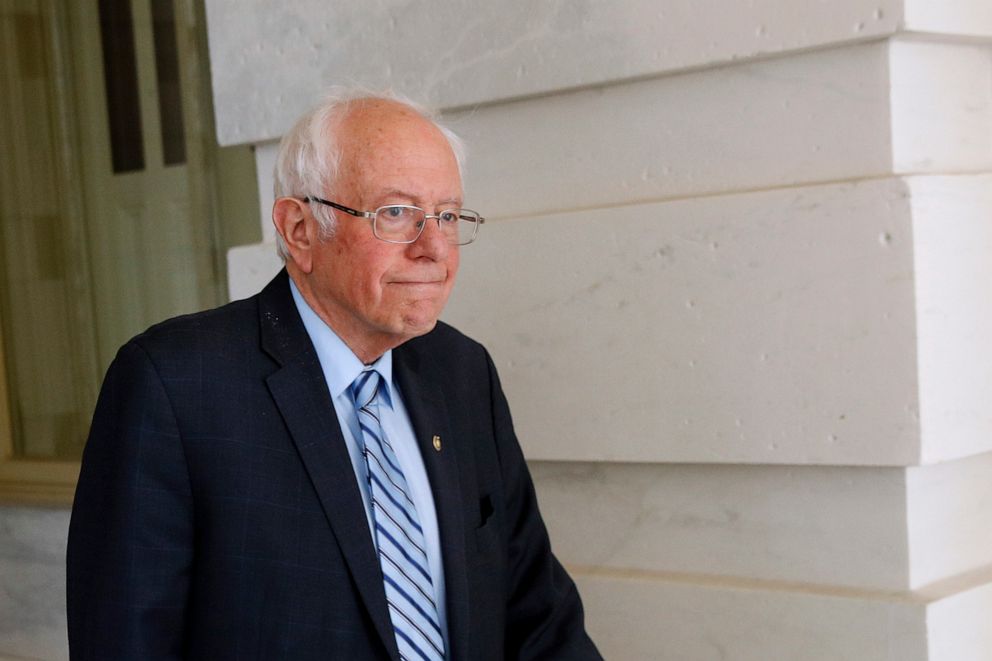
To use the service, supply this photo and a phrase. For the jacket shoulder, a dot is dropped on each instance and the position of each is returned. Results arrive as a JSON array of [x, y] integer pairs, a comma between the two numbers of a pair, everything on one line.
[[218, 331]]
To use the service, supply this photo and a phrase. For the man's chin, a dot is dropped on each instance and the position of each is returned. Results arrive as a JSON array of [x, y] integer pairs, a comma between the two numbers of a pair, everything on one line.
[[420, 318], [416, 328]]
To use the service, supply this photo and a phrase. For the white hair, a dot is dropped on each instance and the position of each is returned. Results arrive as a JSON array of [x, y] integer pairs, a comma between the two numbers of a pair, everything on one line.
[[309, 154]]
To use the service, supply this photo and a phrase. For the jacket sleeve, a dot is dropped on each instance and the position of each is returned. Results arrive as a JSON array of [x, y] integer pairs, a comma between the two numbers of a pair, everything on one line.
[[131, 531], [544, 618]]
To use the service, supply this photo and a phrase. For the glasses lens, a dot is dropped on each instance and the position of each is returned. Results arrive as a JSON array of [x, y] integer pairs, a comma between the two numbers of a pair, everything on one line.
[[465, 227], [398, 222]]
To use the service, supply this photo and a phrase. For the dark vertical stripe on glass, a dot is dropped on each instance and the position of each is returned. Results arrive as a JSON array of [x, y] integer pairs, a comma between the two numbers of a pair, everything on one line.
[[29, 33], [120, 74], [170, 101]]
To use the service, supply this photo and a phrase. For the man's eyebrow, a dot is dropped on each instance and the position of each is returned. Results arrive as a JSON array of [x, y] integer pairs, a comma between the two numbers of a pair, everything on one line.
[[396, 192]]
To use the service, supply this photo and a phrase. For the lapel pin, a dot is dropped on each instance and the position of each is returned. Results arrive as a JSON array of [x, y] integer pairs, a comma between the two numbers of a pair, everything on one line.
[[437, 443]]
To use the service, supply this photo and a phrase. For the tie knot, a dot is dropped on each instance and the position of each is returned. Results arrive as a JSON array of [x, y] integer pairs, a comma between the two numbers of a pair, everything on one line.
[[365, 387]]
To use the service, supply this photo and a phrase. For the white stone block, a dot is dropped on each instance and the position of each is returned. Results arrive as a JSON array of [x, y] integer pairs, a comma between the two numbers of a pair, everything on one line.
[[941, 106], [971, 18], [249, 269], [826, 526], [771, 327], [947, 518], [32, 583], [637, 618], [900, 106], [269, 61], [952, 236], [813, 117], [958, 625], [265, 161]]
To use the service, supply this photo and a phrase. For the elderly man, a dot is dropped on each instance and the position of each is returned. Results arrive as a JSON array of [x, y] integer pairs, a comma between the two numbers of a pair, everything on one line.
[[322, 471]]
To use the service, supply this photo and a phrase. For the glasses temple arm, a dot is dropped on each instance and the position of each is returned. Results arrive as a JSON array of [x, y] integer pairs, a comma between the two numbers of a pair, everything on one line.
[[340, 207]]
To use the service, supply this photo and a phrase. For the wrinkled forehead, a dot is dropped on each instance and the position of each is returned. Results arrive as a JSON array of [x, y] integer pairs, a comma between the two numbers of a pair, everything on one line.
[[375, 124], [382, 143]]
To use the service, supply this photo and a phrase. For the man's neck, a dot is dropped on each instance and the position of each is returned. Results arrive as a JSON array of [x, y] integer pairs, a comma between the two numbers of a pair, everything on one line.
[[366, 348]]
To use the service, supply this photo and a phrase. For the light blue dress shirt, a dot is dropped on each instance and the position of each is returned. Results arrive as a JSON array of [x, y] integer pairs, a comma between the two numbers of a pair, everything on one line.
[[341, 367]]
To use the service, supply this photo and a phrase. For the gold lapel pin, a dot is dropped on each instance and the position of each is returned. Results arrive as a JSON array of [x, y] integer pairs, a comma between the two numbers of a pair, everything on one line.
[[437, 443]]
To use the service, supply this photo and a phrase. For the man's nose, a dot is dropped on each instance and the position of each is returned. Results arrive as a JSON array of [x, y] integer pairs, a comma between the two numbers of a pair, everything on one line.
[[432, 242]]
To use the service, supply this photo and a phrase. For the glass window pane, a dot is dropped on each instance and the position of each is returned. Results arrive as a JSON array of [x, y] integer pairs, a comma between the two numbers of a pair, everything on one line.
[[39, 267], [120, 73], [170, 103]]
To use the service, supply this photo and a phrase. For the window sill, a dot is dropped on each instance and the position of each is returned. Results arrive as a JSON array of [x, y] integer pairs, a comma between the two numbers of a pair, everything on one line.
[[37, 482]]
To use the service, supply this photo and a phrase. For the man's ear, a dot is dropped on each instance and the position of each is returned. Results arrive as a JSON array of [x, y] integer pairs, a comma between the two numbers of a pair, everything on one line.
[[289, 215]]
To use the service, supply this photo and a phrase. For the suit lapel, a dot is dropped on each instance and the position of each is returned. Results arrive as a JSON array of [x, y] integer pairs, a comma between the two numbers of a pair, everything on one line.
[[429, 415], [300, 393]]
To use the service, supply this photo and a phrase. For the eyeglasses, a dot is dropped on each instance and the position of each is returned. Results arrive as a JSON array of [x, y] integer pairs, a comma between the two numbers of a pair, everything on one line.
[[404, 223]]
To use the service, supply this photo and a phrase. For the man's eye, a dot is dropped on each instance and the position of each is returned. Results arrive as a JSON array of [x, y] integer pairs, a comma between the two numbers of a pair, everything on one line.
[[448, 216], [395, 212]]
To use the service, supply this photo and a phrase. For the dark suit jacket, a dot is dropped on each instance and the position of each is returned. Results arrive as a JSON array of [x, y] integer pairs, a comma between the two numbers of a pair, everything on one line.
[[218, 515]]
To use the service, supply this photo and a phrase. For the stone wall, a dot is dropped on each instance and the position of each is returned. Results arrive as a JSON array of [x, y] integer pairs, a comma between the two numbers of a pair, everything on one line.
[[736, 281]]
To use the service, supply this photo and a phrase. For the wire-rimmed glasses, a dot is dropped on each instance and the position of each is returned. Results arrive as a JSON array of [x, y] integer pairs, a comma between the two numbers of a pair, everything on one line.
[[404, 223]]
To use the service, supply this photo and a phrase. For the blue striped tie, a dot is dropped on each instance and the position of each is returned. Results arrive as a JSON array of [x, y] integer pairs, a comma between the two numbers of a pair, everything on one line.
[[405, 571]]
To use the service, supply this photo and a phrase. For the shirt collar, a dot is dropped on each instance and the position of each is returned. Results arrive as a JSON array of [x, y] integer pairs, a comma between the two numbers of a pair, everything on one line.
[[339, 363]]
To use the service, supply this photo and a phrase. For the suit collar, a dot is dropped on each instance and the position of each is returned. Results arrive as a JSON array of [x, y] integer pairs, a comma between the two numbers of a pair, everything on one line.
[[419, 380], [283, 335], [300, 392]]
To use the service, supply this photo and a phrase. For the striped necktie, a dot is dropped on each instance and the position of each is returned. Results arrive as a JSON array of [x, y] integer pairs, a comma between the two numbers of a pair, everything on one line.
[[398, 536]]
